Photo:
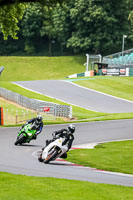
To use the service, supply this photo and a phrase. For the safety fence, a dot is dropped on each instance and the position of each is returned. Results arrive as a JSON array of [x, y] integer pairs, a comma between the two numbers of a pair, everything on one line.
[[118, 54], [50, 108], [120, 59], [1, 69], [14, 116]]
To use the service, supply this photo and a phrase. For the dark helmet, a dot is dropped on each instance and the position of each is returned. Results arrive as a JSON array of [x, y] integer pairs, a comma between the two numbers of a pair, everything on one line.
[[39, 118], [71, 128]]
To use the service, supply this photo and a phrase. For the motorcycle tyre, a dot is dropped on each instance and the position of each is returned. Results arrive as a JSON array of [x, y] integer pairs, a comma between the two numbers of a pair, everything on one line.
[[40, 158], [20, 140], [54, 154]]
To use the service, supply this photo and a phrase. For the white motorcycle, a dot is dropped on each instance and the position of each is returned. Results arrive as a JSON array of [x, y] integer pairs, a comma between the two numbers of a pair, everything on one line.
[[53, 151]]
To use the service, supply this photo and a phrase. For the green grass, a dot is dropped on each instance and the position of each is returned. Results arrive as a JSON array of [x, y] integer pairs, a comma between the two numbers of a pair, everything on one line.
[[112, 156], [13, 114], [20, 187], [117, 86], [40, 68]]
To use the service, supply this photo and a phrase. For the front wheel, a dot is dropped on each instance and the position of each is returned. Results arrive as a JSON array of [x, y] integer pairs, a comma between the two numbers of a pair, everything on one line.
[[51, 156], [40, 158], [20, 139]]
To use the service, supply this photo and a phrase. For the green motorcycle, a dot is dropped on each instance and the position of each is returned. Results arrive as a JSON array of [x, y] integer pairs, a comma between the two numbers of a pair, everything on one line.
[[26, 134]]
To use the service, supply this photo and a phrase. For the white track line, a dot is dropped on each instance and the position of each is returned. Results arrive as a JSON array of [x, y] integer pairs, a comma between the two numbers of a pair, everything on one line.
[[53, 97], [88, 146], [99, 92]]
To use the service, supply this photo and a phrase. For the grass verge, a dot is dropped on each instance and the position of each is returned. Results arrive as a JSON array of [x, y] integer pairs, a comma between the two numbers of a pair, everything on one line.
[[112, 156], [20, 187], [40, 68], [117, 86]]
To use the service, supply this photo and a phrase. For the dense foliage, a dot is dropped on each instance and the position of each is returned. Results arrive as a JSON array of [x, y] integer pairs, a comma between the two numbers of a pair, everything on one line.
[[46, 27]]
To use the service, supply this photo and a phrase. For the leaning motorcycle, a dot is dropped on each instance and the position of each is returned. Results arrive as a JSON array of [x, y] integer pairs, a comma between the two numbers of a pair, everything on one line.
[[26, 134], [53, 151]]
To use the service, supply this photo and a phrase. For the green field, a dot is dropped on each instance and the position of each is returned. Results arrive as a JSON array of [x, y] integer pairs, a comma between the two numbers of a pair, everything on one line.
[[112, 156], [117, 86], [20, 187], [40, 68]]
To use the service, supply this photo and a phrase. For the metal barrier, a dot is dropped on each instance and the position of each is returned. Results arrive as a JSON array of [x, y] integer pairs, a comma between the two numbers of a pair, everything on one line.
[[119, 59], [34, 104], [1, 69], [118, 54]]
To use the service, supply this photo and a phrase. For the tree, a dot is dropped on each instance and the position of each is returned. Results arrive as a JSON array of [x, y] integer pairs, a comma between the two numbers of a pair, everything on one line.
[[9, 18], [11, 12], [62, 23], [30, 26], [98, 24], [48, 27], [45, 2], [92, 25], [95, 26]]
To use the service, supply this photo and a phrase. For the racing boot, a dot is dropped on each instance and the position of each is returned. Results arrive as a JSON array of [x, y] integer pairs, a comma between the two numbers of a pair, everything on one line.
[[34, 137], [64, 155]]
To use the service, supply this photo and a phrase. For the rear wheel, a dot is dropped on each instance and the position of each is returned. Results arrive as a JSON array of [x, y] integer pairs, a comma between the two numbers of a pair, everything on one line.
[[20, 139], [51, 156]]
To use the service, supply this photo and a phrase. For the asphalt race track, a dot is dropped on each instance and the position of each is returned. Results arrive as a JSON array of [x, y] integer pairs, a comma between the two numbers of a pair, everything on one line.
[[76, 95], [23, 159]]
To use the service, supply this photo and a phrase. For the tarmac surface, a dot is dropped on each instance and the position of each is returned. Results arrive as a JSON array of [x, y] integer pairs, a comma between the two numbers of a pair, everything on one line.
[[23, 159], [80, 96]]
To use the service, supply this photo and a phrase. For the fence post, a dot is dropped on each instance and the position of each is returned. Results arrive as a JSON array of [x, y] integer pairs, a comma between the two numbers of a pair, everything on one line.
[[70, 112], [1, 116], [16, 117]]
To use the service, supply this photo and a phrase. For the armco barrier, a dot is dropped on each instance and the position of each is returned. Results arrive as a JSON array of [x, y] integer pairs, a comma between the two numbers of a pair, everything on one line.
[[34, 104], [1, 69], [1, 116]]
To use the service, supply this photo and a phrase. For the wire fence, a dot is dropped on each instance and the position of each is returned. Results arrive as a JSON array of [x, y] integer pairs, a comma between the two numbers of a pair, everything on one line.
[[13, 116], [37, 105], [118, 54], [119, 59]]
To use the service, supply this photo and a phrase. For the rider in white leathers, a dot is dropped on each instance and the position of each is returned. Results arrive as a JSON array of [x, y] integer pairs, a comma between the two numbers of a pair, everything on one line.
[[64, 133]]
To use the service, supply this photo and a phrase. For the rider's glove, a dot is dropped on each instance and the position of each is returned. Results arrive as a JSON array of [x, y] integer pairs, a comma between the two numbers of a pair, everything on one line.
[[37, 132]]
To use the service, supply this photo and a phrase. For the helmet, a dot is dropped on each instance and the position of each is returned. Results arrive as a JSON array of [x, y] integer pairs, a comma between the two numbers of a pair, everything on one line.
[[39, 118], [71, 128]]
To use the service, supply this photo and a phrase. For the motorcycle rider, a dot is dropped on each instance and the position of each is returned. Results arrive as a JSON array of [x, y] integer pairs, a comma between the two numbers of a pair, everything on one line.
[[64, 133], [38, 125]]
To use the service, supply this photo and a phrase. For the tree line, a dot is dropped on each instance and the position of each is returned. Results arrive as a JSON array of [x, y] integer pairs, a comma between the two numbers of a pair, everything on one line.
[[54, 27]]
